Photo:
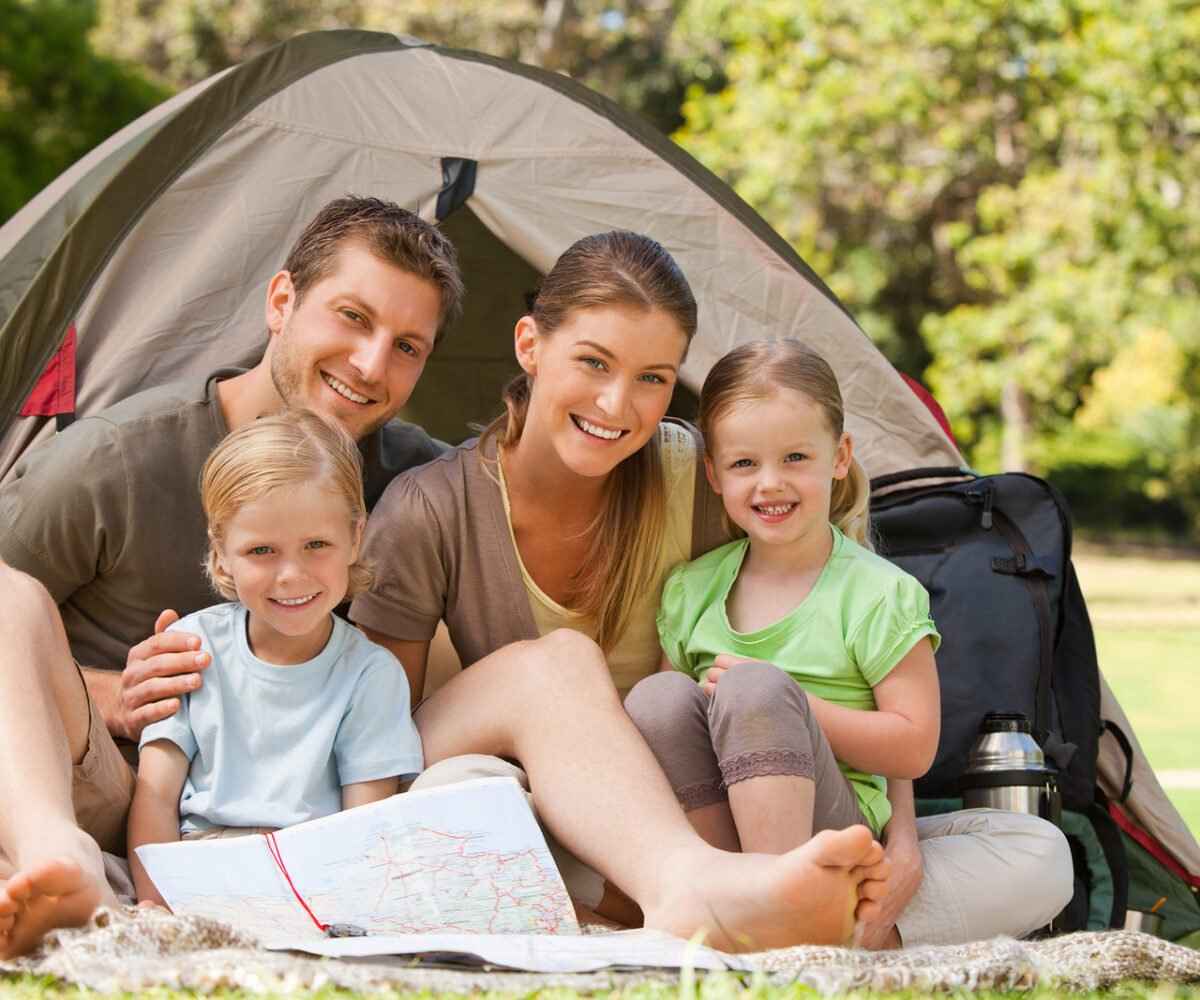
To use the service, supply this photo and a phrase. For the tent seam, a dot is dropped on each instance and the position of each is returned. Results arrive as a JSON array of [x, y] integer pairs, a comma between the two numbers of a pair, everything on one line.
[[437, 152]]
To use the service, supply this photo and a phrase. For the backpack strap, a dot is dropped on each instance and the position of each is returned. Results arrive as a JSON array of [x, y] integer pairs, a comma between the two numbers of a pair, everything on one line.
[[1118, 734], [1109, 835]]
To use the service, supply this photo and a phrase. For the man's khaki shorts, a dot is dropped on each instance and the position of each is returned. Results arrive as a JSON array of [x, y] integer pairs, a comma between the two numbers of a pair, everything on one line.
[[101, 789]]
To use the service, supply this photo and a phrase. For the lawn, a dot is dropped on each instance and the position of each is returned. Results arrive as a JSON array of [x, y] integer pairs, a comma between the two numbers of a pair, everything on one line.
[[718, 986], [1146, 614]]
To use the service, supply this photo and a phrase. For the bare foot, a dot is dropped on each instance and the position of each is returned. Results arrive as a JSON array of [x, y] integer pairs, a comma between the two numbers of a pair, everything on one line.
[[873, 889], [46, 895], [750, 902]]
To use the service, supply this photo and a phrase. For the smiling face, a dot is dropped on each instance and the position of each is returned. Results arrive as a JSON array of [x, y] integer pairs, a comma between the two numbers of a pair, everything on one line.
[[355, 344], [289, 554], [602, 381], [774, 460]]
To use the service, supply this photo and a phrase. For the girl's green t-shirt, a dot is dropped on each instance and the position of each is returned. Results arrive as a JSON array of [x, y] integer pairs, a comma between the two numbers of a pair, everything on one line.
[[860, 619]]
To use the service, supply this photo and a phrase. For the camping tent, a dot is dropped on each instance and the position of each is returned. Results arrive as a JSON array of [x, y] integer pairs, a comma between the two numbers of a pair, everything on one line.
[[165, 273], [158, 245]]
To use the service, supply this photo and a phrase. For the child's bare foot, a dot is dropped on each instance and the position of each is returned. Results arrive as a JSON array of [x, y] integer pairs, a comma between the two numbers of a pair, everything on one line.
[[756, 901], [43, 896]]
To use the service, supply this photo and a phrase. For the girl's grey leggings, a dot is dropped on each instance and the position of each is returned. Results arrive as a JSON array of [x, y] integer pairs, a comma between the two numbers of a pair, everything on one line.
[[757, 722]]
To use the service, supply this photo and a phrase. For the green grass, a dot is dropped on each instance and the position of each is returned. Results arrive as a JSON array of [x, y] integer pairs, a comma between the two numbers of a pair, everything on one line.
[[1146, 614], [719, 986]]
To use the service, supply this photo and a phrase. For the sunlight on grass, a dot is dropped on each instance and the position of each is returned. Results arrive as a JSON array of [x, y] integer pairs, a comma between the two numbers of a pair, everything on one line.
[[717, 986], [1146, 614]]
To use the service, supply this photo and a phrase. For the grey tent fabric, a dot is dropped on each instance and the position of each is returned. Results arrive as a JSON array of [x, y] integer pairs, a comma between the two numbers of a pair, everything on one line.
[[164, 272]]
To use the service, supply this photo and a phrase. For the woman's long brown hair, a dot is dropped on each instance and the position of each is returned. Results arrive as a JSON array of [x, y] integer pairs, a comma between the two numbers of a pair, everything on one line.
[[609, 269]]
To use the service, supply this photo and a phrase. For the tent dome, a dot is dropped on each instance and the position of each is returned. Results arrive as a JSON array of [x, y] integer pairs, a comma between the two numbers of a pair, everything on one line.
[[158, 245]]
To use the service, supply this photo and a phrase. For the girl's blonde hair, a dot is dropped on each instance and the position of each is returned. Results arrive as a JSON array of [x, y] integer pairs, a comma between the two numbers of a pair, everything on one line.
[[757, 370], [292, 448], [609, 269]]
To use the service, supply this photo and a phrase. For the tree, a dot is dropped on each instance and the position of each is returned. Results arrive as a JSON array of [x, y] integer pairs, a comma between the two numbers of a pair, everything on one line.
[[58, 98], [617, 47], [1004, 194]]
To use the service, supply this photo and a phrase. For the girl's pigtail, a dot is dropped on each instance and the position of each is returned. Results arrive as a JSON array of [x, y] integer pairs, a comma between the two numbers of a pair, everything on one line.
[[850, 505]]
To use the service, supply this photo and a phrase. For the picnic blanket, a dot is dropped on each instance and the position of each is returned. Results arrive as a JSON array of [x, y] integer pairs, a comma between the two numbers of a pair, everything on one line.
[[131, 949]]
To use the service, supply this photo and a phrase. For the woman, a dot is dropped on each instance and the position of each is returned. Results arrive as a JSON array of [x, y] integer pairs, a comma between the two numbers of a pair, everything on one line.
[[561, 523]]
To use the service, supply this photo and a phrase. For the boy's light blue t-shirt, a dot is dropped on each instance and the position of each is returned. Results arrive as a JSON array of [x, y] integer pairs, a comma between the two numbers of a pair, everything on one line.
[[273, 745]]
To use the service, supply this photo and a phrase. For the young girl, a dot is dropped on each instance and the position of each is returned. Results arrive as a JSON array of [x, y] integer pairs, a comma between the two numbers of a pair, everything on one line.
[[815, 655], [299, 715]]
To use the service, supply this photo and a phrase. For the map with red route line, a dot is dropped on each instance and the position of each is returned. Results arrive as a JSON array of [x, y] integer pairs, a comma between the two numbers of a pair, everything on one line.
[[466, 858]]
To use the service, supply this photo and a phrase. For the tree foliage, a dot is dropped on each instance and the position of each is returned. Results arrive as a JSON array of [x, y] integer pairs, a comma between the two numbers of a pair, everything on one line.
[[1004, 194], [58, 98], [615, 46]]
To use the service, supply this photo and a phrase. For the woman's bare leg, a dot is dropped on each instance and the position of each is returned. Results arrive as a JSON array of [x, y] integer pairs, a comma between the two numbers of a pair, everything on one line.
[[51, 872], [551, 705]]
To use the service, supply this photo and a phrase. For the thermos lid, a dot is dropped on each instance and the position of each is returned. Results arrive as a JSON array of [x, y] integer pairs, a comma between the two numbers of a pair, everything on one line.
[[1005, 722], [1005, 743]]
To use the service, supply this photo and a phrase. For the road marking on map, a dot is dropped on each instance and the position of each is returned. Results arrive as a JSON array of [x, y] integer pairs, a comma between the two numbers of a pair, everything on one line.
[[464, 858]]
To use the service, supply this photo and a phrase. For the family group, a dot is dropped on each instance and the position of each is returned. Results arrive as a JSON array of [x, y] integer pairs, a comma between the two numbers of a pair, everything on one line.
[[678, 638]]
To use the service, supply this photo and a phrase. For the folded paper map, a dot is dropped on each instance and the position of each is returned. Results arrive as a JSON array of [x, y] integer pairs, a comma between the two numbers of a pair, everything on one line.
[[457, 874], [465, 858]]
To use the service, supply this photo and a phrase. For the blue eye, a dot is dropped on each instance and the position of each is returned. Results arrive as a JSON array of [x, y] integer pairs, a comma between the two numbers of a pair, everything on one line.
[[796, 456], [595, 363], [260, 550], [317, 543], [742, 463], [353, 316], [653, 379], [406, 347]]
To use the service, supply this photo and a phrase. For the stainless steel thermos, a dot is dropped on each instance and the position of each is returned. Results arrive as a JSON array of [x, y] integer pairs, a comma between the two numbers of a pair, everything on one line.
[[1006, 769]]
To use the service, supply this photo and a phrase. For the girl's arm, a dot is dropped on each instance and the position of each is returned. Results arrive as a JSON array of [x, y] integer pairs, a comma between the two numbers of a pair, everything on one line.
[[413, 656], [362, 792], [904, 852], [899, 739], [154, 814]]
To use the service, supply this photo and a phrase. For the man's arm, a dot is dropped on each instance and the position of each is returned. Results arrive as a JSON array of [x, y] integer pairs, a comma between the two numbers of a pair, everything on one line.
[[63, 527], [158, 672]]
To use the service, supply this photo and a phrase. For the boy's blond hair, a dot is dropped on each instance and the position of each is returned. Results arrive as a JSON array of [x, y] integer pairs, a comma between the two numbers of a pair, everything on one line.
[[292, 448]]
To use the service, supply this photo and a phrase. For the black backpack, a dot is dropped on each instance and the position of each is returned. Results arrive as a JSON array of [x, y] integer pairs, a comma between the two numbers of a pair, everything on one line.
[[994, 552]]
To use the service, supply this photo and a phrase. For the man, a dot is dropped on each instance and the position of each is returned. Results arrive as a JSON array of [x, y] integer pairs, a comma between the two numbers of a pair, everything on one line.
[[106, 522]]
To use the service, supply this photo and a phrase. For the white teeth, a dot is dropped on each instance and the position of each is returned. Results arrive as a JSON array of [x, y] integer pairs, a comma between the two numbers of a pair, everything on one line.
[[344, 390], [775, 509], [596, 431], [292, 602]]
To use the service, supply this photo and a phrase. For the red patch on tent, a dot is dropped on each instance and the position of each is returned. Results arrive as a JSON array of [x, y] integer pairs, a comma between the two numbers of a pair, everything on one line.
[[931, 404], [1151, 844], [55, 390]]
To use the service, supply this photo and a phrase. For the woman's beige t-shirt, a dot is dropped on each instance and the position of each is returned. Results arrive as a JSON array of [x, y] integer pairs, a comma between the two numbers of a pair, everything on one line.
[[441, 546], [636, 654]]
